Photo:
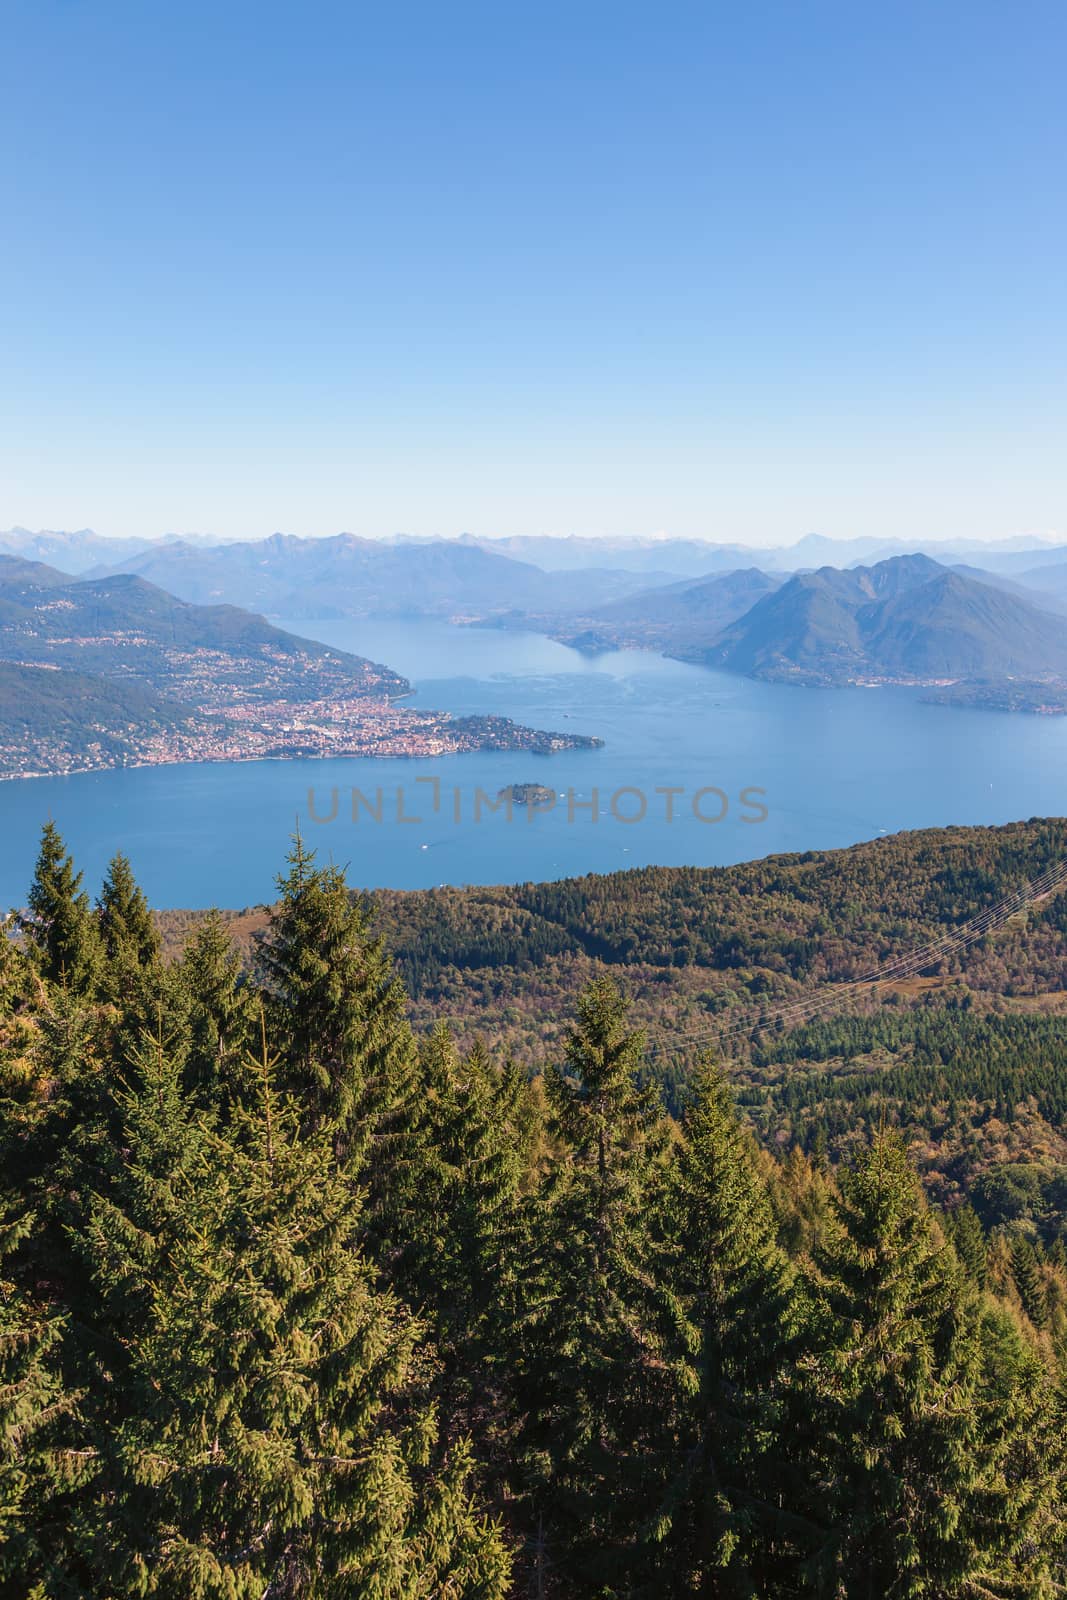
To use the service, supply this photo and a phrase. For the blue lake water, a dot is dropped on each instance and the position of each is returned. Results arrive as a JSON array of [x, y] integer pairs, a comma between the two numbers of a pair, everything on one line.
[[834, 767]]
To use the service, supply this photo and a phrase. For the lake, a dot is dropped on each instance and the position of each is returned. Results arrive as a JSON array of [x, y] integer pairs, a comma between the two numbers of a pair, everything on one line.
[[753, 769]]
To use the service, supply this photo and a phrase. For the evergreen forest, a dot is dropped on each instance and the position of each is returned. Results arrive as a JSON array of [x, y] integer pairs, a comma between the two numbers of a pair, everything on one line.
[[319, 1281]]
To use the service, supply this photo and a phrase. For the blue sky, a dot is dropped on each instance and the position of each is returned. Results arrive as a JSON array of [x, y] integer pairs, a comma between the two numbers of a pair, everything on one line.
[[735, 271]]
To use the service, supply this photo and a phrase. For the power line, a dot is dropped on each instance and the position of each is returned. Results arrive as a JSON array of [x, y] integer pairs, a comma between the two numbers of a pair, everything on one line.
[[909, 965], [901, 966]]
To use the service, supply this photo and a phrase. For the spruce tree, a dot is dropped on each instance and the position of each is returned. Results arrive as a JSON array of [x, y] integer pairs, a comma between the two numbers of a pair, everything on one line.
[[597, 1389], [60, 927], [138, 986], [34, 1409], [464, 1257], [800, 1198], [53, 1131], [966, 1234], [348, 1054], [129, 934], [726, 1524], [20, 995], [223, 1012], [262, 1426], [1029, 1282], [910, 1443]]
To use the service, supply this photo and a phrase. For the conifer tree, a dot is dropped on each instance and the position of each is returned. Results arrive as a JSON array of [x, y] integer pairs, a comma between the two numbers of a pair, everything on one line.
[[262, 1425], [912, 1446], [819, 1151], [285, 1300], [1029, 1282], [725, 1522], [522, 1112], [60, 926], [966, 1234], [52, 1130], [138, 985], [348, 1053], [129, 935], [20, 995], [223, 1012], [596, 1385], [463, 1261], [34, 1405], [800, 1198]]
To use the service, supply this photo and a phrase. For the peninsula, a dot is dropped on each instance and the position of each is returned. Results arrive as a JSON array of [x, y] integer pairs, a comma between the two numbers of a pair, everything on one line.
[[114, 672]]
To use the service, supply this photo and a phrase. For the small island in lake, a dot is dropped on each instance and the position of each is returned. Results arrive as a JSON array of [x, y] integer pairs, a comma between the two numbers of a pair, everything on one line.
[[535, 795]]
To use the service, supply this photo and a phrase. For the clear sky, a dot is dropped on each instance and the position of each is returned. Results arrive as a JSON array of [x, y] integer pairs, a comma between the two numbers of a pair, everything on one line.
[[737, 270]]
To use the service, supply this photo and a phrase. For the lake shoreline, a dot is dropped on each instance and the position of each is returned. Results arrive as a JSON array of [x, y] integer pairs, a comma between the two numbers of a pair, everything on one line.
[[836, 767]]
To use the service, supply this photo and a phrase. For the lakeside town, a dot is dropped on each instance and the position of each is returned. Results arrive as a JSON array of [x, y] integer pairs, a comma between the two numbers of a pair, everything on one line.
[[354, 726], [117, 673]]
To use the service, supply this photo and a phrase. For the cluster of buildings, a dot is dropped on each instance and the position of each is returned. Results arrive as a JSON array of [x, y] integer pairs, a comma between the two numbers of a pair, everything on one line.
[[252, 730]]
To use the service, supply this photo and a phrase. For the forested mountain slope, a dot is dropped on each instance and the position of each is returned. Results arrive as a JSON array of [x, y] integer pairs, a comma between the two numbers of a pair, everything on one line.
[[49, 717], [125, 628], [970, 1054], [701, 950], [297, 1301], [904, 620]]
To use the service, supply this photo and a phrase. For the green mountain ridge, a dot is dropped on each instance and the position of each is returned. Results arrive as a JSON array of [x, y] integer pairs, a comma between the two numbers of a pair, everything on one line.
[[905, 620], [127, 628]]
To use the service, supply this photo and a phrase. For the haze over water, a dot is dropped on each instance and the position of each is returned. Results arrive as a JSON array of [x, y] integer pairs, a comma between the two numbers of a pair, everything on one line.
[[836, 767]]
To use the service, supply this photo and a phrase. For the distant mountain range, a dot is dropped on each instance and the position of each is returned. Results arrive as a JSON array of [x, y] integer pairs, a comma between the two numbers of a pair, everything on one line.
[[1036, 593], [674, 617], [349, 577], [1049, 581], [696, 557], [74, 552], [684, 558], [468, 578], [907, 619]]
